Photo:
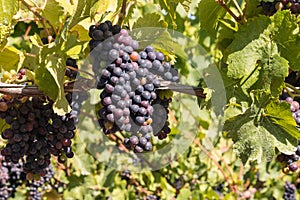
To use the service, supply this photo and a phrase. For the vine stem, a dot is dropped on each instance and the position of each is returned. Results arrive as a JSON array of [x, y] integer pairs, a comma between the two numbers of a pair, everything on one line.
[[216, 163], [238, 7], [223, 161], [245, 11], [80, 70], [86, 84], [223, 4], [39, 16], [122, 12], [115, 138], [287, 85]]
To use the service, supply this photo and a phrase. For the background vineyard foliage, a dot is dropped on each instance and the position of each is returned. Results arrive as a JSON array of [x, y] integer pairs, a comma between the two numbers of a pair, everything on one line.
[[253, 52]]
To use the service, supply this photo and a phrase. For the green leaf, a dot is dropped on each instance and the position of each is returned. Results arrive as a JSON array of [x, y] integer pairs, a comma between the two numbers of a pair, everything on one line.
[[285, 32], [272, 75], [77, 15], [53, 11], [11, 58], [265, 125], [148, 19], [255, 57], [49, 77], [110, 178], [209, 13], [81, 32], [100, 7], [3, 125], [185, 193], [8, 9], [249, 44], [82, 161], [72, 46]]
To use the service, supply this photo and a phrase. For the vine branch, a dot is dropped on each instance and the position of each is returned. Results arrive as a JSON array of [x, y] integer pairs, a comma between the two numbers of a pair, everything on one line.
[[216, 163], [43, 20], [122, 12], [238, 7], [222, 159], [290, 87], [223, 4], [245, 11], [86, 84]]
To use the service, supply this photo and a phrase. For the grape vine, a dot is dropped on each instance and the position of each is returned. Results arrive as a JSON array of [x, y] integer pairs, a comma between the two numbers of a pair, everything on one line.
[[235, 64]]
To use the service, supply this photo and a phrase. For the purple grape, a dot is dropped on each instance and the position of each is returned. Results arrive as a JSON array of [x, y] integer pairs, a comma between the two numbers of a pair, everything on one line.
[[293, 167]]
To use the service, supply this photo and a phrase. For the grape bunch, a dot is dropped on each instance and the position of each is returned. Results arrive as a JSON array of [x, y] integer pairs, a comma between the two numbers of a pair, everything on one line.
[[13, 76], [35, 133], [129, 80], [102, 32], [152, 197], [271, 8], [16, 176], [4, 182], [290, 160], [289, 191], [71, 73], [12, 176], [35, 187], [125, 175]]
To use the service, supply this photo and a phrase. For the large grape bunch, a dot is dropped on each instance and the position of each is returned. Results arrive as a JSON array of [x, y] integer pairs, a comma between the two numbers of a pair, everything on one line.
[[270, 8], [129, 80], [35, 132]]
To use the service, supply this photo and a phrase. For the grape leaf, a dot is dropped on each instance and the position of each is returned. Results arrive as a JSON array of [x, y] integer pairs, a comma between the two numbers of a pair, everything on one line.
[[82, 161], [285, 32], [11, 58], [262, 127], [254, 51], [53, 11], [185, 3], [148, 19], [49, 77], [81, 32], [77, 15], [8, 9], [209, 13], [100, 7], [253, 8], [249, 42]]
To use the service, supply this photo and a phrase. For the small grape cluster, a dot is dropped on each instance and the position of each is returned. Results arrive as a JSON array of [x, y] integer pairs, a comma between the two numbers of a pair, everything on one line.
[[4, 191], [290, 160], [35, 133], [129, 81], [219, 189], [159, 117], [125, 175], [12, 176], [36, 186], [101, 32], [289, 191], [71, 73], [13, 76], [152, 197], [271, 8]]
